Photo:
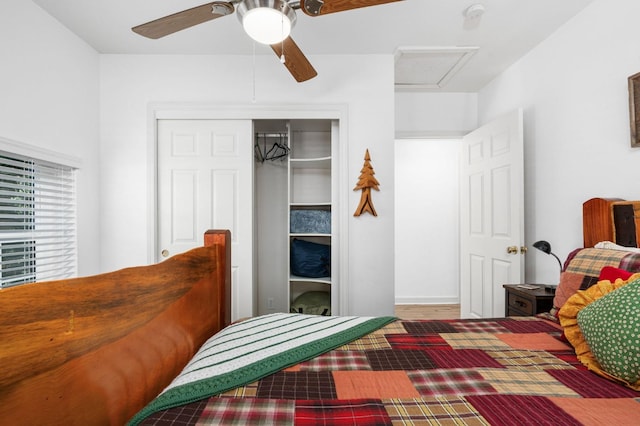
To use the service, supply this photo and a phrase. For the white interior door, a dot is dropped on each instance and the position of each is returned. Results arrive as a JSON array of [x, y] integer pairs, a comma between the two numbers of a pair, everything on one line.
[[491, 215], [205, 181]]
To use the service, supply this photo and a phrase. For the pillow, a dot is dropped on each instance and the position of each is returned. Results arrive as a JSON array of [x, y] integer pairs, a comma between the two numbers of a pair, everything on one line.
[[611, 328], [582, 269], [312, 303], [612, 274], [570, 282], [310, 259], [600, 317], [613, 246]]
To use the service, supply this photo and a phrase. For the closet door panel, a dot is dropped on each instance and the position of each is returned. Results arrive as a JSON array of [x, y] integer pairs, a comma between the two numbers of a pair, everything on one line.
[[205, 181]]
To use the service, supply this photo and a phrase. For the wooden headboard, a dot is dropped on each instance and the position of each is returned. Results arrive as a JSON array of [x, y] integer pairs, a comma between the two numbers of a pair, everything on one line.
[[95, 350], [611, 219]]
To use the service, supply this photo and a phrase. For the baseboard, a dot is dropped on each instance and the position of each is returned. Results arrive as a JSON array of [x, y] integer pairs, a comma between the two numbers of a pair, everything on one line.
[[427, 301]]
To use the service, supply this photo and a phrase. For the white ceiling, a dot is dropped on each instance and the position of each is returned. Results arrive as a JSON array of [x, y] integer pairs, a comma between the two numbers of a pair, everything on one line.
[[505, 32]]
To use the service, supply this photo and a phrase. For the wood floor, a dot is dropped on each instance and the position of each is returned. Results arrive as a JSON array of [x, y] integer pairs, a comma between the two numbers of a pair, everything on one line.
[[427, 311]]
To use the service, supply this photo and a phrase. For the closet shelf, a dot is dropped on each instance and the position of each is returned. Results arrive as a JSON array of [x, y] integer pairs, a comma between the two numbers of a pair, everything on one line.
[[323, 280], [311, 205], [311, 163]]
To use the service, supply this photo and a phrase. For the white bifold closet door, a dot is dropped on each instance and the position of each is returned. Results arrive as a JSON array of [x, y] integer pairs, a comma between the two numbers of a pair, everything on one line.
[[205, 181]]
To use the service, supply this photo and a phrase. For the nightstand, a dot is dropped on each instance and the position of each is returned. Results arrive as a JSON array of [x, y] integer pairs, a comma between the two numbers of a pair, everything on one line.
[[523, 301]]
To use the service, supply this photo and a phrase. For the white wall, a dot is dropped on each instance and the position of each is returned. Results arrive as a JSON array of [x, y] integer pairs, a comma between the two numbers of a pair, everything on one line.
[[49, 100], [426, 229], [573, 88], [428, 114], [363, 83]]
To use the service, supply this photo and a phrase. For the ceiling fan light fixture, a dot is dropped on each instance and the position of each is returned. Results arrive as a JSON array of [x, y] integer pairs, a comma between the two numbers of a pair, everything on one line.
[[266, 21]]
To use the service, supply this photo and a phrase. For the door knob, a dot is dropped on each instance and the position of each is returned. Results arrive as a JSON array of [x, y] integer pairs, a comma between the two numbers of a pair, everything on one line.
[[512, 250], [523, 249], [165, 253]]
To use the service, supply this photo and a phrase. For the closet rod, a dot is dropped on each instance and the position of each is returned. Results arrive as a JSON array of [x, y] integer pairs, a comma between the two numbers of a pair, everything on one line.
[[272, 135]]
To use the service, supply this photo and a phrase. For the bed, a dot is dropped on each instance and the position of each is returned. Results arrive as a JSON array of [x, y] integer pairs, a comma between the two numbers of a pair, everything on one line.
[[95, 350], [499, 371], [287, 369]]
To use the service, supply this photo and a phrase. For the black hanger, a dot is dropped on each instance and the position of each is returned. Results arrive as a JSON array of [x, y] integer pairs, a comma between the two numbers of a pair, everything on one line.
[[278, 150]]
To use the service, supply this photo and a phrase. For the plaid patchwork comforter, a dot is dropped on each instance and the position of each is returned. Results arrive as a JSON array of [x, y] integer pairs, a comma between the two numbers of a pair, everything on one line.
[[505, 371]]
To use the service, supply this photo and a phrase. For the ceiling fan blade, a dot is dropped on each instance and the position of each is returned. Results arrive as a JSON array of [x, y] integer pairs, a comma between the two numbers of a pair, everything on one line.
[[295, 61], [322, 7], [185, 19]]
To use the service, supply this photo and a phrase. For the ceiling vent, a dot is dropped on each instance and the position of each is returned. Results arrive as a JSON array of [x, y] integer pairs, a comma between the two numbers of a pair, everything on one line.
[[428, 68]]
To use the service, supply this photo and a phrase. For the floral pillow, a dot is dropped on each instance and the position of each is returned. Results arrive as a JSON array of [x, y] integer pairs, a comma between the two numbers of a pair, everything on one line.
[[603, 325]]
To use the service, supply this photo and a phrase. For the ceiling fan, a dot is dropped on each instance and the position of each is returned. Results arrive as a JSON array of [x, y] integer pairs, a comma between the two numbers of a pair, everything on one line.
[[266, 21]]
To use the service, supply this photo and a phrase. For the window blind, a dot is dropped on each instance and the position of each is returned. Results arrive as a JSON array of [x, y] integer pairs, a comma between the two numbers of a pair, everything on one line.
[[37, 220]]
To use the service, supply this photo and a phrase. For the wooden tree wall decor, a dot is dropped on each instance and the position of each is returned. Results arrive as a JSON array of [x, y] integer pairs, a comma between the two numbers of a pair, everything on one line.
[[366, 181]]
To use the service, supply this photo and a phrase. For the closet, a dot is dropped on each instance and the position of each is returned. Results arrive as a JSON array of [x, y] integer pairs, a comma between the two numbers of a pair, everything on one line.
[[296, 224], [262, 179]]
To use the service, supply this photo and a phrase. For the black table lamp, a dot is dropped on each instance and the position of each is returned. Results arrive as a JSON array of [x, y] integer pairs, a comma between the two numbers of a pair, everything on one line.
[[544, 246]]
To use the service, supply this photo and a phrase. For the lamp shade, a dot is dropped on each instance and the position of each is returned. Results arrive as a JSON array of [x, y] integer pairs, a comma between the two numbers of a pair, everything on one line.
[[543, 246], [266, 21]]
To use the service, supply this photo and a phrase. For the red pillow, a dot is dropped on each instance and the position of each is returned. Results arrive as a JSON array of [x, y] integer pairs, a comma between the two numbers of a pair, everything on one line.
[[612, 274]]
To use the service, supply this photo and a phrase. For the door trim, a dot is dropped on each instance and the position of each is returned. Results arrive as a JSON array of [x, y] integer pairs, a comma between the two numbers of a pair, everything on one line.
[[177, 111]]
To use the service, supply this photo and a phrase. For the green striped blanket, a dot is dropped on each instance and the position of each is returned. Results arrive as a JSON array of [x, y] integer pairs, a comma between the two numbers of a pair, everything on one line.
[[250, 350]]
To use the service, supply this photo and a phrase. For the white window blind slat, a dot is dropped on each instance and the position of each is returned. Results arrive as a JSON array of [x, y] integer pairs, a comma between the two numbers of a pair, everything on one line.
[[37, 220]]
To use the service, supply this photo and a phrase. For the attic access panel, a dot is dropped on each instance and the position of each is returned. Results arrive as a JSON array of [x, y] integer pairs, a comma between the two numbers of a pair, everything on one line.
[[424, 68]]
